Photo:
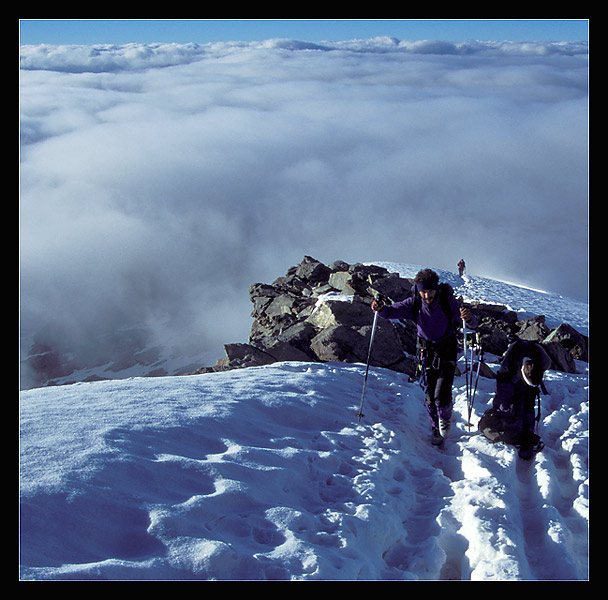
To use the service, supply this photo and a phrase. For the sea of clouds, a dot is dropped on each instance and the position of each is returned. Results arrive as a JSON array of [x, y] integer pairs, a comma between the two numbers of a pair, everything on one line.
[[157, 181]]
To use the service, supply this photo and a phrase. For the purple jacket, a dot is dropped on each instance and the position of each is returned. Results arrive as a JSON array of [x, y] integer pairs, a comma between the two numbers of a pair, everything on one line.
[[433, 324]]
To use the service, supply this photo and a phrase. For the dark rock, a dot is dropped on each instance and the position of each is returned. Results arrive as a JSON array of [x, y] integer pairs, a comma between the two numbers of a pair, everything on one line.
[[533, 329], [576, 343], [311, 270], [387, 350], [407, 332], [562, 359], [292, 344], [493, 339], [334, 312], [339, 343], [339, 265], [284, 351], [341, 281], [242, 355], [484, 371], [393, 287]]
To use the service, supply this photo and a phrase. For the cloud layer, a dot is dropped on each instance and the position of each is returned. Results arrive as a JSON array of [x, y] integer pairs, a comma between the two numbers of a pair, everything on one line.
[[159, 181]]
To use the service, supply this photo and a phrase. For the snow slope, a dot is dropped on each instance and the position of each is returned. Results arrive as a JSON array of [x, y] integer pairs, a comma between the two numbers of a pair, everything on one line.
[[266, 473]]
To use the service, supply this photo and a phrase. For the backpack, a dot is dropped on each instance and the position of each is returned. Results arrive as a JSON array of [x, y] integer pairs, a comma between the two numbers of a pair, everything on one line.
[[494, 428]]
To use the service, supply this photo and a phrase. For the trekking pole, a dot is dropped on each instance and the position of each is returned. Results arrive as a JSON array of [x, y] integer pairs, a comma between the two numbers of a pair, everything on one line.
[[369, 353], [537, 418], [479, 361], [466, 372]]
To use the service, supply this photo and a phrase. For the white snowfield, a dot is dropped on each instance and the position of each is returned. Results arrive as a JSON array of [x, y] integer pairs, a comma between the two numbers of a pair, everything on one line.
[[266, 474]]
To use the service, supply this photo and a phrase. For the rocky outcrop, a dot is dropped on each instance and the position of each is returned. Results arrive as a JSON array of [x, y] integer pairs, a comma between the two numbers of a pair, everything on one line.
[[322, 313]]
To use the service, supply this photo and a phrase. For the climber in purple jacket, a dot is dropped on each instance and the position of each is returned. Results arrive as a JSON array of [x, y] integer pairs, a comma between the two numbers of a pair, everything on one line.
[[437, 315]]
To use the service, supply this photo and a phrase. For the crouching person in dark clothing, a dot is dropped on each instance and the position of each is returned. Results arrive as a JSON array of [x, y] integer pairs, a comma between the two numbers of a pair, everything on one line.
[[518, 384], [437, 315]]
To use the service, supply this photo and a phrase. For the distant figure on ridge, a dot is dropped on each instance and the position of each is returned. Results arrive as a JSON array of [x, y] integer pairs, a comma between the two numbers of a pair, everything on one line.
[[461, 267]]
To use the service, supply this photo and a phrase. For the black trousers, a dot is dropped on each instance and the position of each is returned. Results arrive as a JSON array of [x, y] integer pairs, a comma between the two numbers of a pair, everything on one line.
[[439, 364]]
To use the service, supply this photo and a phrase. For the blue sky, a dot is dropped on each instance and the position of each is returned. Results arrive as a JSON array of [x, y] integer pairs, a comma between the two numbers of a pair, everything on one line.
[[118, 31]]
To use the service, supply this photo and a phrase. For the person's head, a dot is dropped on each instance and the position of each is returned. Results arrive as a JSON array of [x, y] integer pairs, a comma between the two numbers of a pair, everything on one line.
[[531, 371], [427, 282]]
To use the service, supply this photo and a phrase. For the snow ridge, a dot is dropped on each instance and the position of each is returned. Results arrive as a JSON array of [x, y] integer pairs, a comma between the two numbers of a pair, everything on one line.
[[266, 474]]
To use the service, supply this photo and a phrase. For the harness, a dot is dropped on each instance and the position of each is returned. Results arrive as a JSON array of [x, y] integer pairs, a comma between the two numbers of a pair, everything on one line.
[[428, 358]]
